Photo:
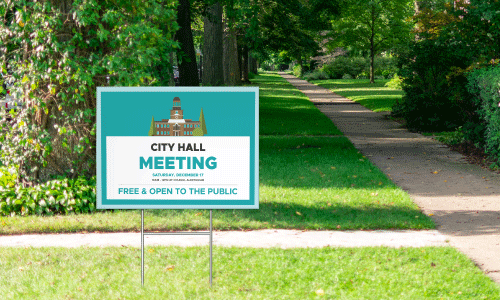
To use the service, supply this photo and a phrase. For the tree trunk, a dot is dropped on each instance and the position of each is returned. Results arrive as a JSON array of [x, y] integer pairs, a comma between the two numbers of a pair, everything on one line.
[[240, 59], [372, 47], [212, 47], [171, 81], [188, 73], [231, 67], [244, 64], [253, 64]]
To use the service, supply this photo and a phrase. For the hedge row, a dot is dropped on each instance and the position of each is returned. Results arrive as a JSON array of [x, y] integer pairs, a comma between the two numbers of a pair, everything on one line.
[[484, 85], [357, 67], [59, 196]]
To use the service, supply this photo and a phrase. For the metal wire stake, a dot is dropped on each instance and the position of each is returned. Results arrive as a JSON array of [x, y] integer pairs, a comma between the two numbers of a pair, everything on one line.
[[210, 248], [142, 247]]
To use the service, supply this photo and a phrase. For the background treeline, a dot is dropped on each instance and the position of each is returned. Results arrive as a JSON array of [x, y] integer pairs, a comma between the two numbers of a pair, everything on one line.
[[450, 71]]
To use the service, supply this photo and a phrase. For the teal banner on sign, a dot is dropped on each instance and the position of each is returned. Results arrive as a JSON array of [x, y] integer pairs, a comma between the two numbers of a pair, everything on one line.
[[177, 148]]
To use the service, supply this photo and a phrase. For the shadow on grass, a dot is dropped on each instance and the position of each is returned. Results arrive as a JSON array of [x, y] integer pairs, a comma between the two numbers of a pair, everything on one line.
[[320, 216], [316, 163]]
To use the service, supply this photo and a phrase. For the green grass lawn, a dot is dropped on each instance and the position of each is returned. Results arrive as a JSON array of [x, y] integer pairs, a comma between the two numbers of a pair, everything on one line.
[[305, 183], [284, 110], [376, 97], [242, 273]]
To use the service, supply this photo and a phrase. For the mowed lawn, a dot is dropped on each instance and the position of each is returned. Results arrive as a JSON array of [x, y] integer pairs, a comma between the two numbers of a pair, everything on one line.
[[284, 110], [310, 178], [376, 97], [242, 273]]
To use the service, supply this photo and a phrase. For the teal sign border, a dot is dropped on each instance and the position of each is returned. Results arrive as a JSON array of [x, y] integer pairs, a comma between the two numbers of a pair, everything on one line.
[[127, 111]]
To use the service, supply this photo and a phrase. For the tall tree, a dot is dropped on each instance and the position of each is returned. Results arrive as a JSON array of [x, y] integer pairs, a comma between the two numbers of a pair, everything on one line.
[[231, 68], [188, 72], [375, 25], [292, 26], [212, 47]]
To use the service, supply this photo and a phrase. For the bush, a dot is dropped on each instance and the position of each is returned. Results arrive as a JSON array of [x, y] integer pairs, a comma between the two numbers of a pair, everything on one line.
[[395, 83], [484, 85], [297, 71], [451, 138], [356, 66], [337, 68], [59, 196], [435, 96], [59, 52], [8, 177], [359, 67], [385, 67], [316, 75]]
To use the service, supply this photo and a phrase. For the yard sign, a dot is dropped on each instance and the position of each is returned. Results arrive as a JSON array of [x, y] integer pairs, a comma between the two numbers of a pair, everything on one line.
[[177, 148]]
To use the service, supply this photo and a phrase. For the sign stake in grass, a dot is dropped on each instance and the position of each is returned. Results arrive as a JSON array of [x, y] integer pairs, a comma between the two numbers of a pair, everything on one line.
[[209, 233], [152, 152]]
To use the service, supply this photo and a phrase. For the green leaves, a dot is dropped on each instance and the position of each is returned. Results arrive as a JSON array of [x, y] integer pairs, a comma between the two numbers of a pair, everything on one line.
[[59, 196], [57, 63]]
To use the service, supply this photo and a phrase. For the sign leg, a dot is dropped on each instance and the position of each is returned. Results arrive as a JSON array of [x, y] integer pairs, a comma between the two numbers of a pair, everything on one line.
[[142, 247], [210, 247]]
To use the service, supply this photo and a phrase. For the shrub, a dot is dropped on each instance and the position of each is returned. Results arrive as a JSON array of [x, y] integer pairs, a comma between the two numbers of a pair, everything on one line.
[[484, 84], [8, 177], [337, 68], [395, 82], [385, 67], [58, 52], [297, 71], [452, 138], [356, 66], [58, 196], [435, 97], [316, 75]]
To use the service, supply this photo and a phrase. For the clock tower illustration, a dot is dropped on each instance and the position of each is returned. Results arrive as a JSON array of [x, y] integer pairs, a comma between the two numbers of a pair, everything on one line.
[[177, 125]]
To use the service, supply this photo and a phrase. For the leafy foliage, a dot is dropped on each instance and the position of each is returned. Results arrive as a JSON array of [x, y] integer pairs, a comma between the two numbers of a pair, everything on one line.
[[484, 85], [59, 196], [8, 177], [452, 39], [59, 52], [297, 70], [373, 26], [316, 75], [359, 66], [431, 102], [395, 83], [337, 68]]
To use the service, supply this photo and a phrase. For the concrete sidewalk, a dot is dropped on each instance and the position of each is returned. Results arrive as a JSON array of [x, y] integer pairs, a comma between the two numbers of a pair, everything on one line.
[[463, 199], [267, 238]]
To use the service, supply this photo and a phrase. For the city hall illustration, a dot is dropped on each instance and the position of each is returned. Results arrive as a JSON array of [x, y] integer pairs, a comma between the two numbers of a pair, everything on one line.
[[177, 125]]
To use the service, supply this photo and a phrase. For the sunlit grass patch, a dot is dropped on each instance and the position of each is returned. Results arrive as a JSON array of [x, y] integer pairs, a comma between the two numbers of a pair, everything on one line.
[[242, 273], [284, 110], [376, 96]]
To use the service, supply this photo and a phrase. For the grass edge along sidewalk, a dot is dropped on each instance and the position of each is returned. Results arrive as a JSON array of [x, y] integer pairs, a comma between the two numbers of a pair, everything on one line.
[[374, 96], [306, 182], [243, 273]]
